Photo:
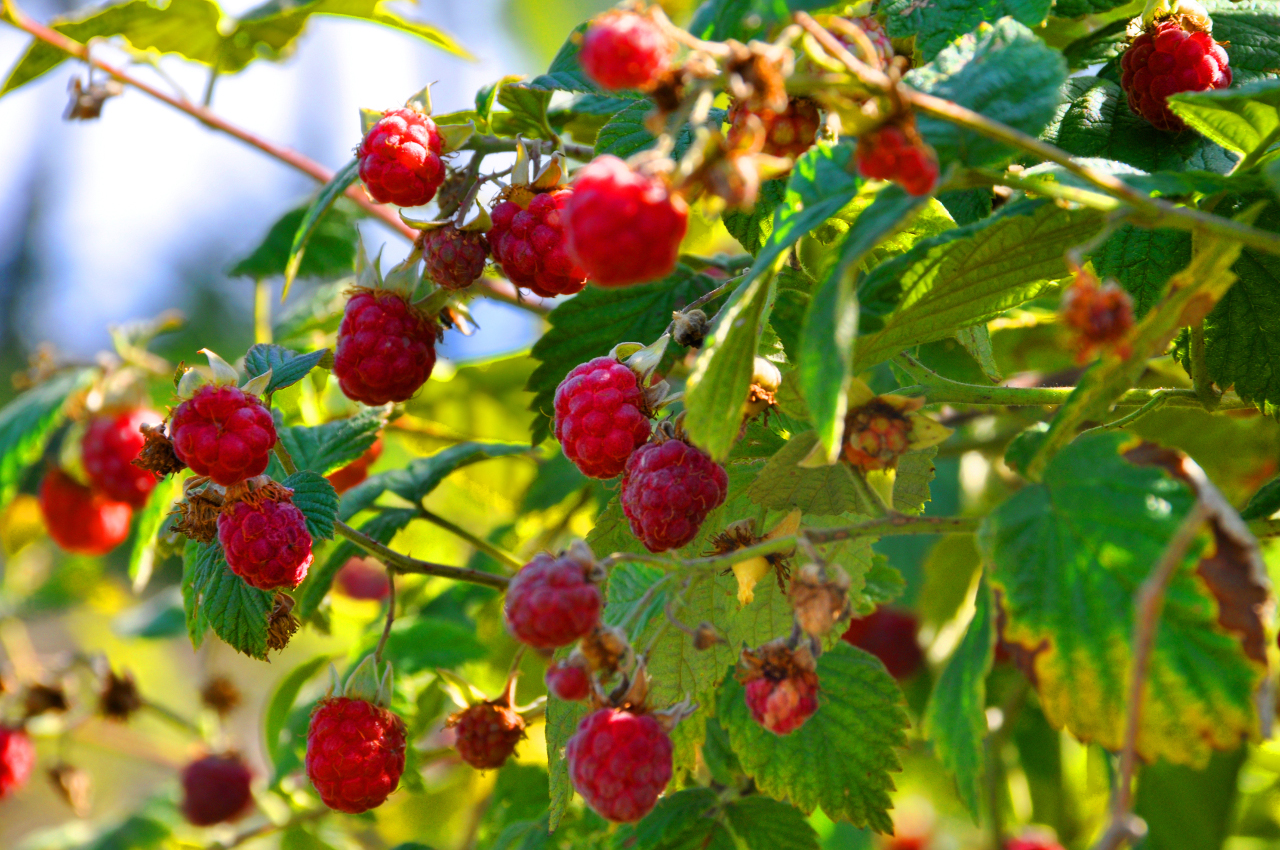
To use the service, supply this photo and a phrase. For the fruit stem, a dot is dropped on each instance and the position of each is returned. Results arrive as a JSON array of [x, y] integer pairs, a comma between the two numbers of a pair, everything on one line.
[[501, 555], [404, 564], [391, 615]]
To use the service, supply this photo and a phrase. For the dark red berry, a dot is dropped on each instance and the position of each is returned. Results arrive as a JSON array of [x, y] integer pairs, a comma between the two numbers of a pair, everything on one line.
[[788, 134], [110, 444], [79, 519], [355, 753], [17, 759], [400, 158], [216, 789], [487, 734], [668, 489], [224, 433], [553, 601], [890, 636], [266, 542], [1100, 315], [386, 348], [624, 50], [624, 227], [890, 154], [876, 435], [361, 578], [569, 682], [780, 685], [454, 258], [530, 245], [1166, 59], [358, 470], [620, 763], [601, 416]]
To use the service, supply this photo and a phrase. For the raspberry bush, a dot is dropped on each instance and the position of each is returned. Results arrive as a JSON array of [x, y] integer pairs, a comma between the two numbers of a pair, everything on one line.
[[885, 438]]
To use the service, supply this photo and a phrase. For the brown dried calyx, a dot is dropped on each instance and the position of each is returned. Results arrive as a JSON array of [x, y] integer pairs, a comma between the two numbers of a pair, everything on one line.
[[74, 786], [757, 75], [281, 624], [777, 660], [221, 694], [197, 516], [820, 597], [606, 650], [689, 328], [157, 453], [749, 571], [118, 698], [41, 698]]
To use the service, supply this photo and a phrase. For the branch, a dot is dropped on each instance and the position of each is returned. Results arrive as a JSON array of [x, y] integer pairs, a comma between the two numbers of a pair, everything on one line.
[[406, 565], [500, 555]]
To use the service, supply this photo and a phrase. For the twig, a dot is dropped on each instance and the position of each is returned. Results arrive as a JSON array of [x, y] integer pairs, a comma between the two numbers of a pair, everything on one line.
[[391, 614], [406, 565], [501, 555]]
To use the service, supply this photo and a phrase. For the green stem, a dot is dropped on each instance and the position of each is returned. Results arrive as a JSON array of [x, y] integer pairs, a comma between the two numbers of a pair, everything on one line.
[[1049, 189], [405, 564], [500, 555], [1204, 390], [173, 717], [1250, 159], [957, 393]]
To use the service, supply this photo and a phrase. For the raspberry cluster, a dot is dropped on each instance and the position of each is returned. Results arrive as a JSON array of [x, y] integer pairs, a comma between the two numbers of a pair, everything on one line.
[[17, 759], [361, 578], [386, 348], [601, 416], [780, 686], [890, 153], [876, 435], [355, 753], [1100, 315], [400, 158], [620, 762], [224, 433], [553, 600], [569, 682], [1168, 58], [668, 488], [530, 245], [788, 133], [111, 443], [266, 541], [487, 733], [454, 258], [80, 519]]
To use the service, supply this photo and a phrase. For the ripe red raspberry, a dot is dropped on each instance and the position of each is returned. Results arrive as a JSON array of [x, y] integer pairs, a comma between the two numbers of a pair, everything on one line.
[[454, 258], [624, 227], [1101, 315], [620, 763], [780, 685], [1167, 59], [623, 50], [355, 753], [668, 489], [569, 682], [266, 541], [876, 435], [17, 758], [386, 348], [360, 578], [224, 433], [400, 158], [789, 133], [358, 470], [215, 789], [889, 154], [601, 416], [79, 519], [553, 601], [529, 243], [110, 444], [487, 734], [890, 636]]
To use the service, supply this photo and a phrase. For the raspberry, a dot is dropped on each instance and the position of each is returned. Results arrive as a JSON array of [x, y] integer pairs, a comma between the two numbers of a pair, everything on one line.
[[487, 734], [624, 227], [363, 579], [530, 245], [889, 154], [224, 433], [1167, 59], [788, 134], [358, 470], [601, 416], [623, 50], [569, 682], [355, 753], [780, 686], [386, 348], [668, 489], [109, 447], [400, 158], [876, 435], [17, 758], [266, 542], [454, 258], [553, 601], [79, 519], [215, 789], [620, 763], [1100, 315], [1031, 843], [877, 36], [890, 636]]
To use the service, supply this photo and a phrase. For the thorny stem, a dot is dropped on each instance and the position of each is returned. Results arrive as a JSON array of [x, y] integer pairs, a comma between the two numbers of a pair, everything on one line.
[[501, 555], [953, 392], [172, 716], [1157, 401], [405, 565]]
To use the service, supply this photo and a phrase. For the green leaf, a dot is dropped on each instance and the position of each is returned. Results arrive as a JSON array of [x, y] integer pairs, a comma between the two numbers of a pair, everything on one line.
[[381, 527], [911, 487], [1264, 503], [841, 758], [936, 26], [767, 824], [1067, 556], [424, 643], [956, 719], [752, 227], [1002, 71], [416, 481], [310, 222], [967, 275], [27, 422], [324, 448], [1188, 809], [685, 820], [1244, 119], [1080, 8], [287, 367], [528, 111], [281, 703], [316, 498], [976, 340], [595, 320], [1251, 32], [1142, 260], [565, 72], [818, 491], [142, 557], [625, 133], [213, 596], [628, 583], [331, 253]]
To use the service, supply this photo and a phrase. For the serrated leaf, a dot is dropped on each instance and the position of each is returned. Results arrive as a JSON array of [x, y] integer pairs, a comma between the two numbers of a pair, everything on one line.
[[287, 367], [331, 253], [527, 114], [1251, 32], [281, 704], [841, 758], [316, 498], [381, 527], [625, 133], [911, 484], [685, 820], [818, 491], [416, 481], [767, 824], [565, 72], [1263, 503], [150, 519], [324, 448], [1080, 8], [310, 221], [1002, 71], [1067, 556], [752, 227], [976, 340], [956, 719], [424, 643], [1244, 119], [628, 583], [939, 24], [27, 422], [214, 597], [1142, 260]]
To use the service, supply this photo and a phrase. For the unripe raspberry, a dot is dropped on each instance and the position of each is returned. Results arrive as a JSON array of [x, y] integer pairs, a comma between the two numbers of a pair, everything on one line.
[[1100, 315], [386, 348], [266, 541], [530, 245], [17, 759], [668, 489], [569, 682], [890, 154], [553, 601], [487, 734], [624, 227], [224, 433], [357, 471], [1171, 57], [361, 578], [355, 753], [623, 50], [601, 416], [400, 158], [876, 435], [788, 134], [216, 789], [109, 447], [454, 258], [890, 636], [780, 686], [79, 519], [620, 763]]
